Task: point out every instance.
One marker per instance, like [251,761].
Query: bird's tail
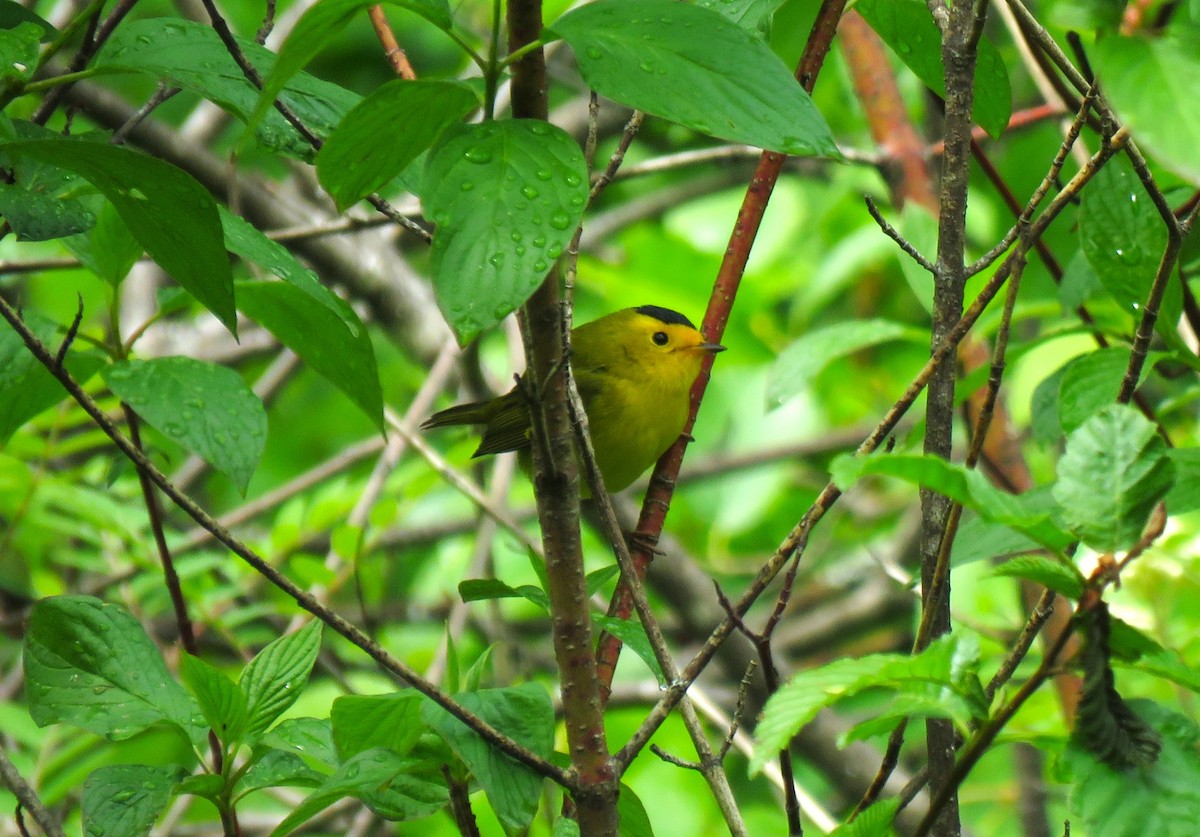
[477,412]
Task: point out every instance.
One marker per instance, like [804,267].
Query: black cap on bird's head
[665,315]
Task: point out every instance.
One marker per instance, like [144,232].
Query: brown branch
[387,39]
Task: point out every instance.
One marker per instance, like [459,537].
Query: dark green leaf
[39,214]
[206,408]
[205,785]
[190,55]
[273,680]
[168,212]
[26,387]
[19,50]
[525,714]
[1144,79]
[113,251]
[506,197]
[1122,235]
[908,28]
[1049,572]
[366,151]
[312,330]
[483,589]
[1114,470]
[223,704]
[244,239]
[799,363]
[672,60]
[362,722]
[13,15]
[126,799]
[91,665]
[314,30]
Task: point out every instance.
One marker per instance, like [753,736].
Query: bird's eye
[659,338]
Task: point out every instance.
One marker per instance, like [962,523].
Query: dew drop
[478,155]
[560,220]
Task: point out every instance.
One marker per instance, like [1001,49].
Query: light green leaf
[276,768]
[672,60]
[483,589]
[1161,799]
[752,15]
[310,737]
[1184,495]
[874,821]
[361,722]
[365,151]
[91,665]
[1057,575]
[1090,383]
[1114,470]
[506,197]
[223,704]
[946,668]
[801,362]
[632,634]
[273,680]
[1144,79]
[206,408]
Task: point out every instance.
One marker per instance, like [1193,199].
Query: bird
[634,369]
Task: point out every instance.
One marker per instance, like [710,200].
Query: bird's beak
[711,348]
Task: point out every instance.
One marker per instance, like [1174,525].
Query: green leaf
[204,785]
[752,15]
[366,151]
[13,15]
[484,589]
[946,669]
[1090,383]
[1167,665]
[634,821]
[244,239]
[165,209]
[91,665]
[273,680]
[311,737]
[564,827]
[1122,235]
[633,635]
[206,408]
[361,722]
[363,776]
[19,50]
[276,768]
[1114,470]
[45,200]
[1027,515]
[672,60]
[874,821]
[317,27]
[1145,79]
[908,28]
[126,799]
[26,387]
[223,704]
[596,579]
[1161,799]
[190,55]
[1057,575]
[1184,495]
[1045,422]
[523,713]
[312,330]
[980,539]
[506,197]
[112,250]
[801,362]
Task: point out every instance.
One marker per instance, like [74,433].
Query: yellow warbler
[634,369]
